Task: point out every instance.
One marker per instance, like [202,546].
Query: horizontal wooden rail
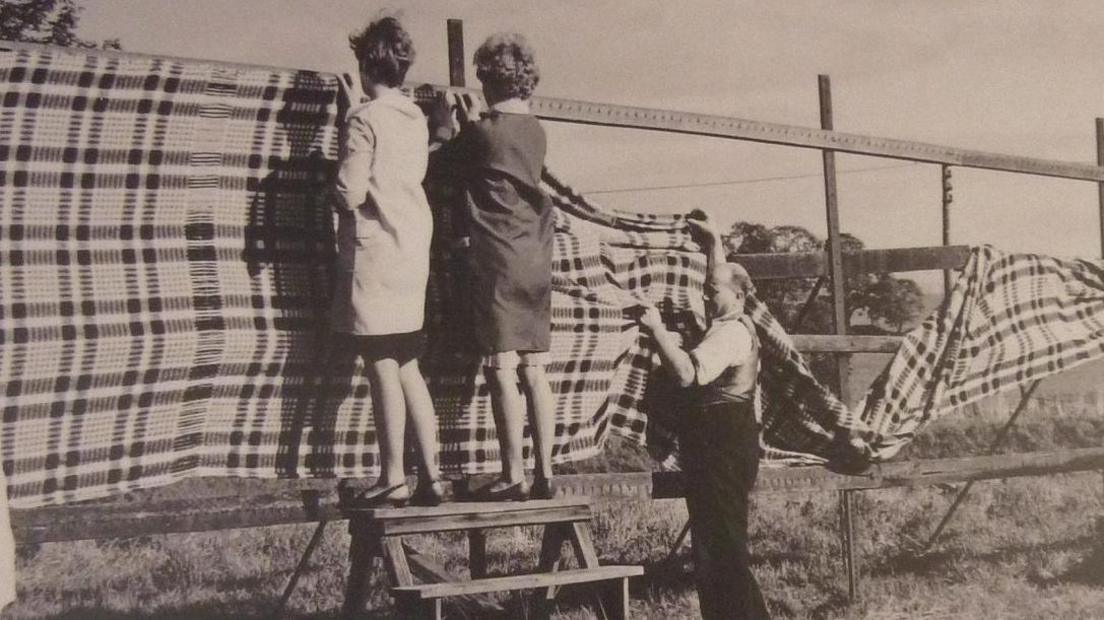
[815,264]
[585,112]
[629,117]
[610,115]
[217,504]
[815,343]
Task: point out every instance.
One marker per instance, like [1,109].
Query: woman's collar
[511,106]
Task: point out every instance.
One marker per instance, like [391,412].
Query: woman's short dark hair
[384,50]
[506,62]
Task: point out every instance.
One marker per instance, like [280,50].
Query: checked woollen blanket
[165,279]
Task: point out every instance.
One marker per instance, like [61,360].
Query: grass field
[1026,548]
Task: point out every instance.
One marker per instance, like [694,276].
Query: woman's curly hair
[384,49]
[506,62]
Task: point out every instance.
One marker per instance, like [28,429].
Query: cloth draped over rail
[166,269]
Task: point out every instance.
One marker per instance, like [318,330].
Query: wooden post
[839,319]
[456,52]
[847,541]
[835,249]
[948,197]
[477,547]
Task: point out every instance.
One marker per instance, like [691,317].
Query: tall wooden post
[839,320]
[835,249]
[948,197]
[456,52]
[1100,186]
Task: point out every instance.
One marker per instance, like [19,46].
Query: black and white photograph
[564,310]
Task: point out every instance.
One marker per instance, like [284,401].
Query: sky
[1015,77]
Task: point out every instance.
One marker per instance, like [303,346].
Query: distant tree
[893,301]
[886,300]
[53,22]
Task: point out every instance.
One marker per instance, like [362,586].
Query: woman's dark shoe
[542,489]
[428,493]
[376,496]
[496,492]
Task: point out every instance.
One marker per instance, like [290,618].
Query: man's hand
[651,318]
[702,228]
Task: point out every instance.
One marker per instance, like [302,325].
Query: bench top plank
[395,526]
[518,582]
[459,509]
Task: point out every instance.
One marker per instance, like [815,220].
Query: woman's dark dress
[510,222]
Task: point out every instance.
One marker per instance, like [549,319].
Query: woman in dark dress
[509,219]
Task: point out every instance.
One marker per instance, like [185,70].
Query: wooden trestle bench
[379,532]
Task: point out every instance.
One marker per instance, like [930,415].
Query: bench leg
[416,608]
[477,547]
[551,551]
[360,568]
[614,599]
[394,557]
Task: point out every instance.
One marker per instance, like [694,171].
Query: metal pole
[678,542]
[808,305]
[1025,396]
[839,320]
[299,568]
[456,52]
[948,197]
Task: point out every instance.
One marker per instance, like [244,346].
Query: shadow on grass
[836,602]
[1089,571]
[217,611]
[674,576]
[936,562]
[207,611]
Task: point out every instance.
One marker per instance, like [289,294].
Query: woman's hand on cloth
[451,111]
[349,92]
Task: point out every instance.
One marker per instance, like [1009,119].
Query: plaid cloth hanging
[165,280]
[1010,320]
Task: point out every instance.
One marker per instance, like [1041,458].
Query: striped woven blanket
[165,279]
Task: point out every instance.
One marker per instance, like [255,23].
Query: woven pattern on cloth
[165,268]
[166,280]
[1010,319]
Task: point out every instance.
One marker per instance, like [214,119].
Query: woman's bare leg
[509,409]
[419,407]
[389,413]
[542,412]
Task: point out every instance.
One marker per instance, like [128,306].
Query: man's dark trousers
[719,452]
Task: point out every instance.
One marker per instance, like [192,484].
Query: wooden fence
[211,504]
[205,504]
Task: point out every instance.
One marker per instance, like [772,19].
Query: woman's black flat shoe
[375,497]
[517,492]
[428,493]
[542,489]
